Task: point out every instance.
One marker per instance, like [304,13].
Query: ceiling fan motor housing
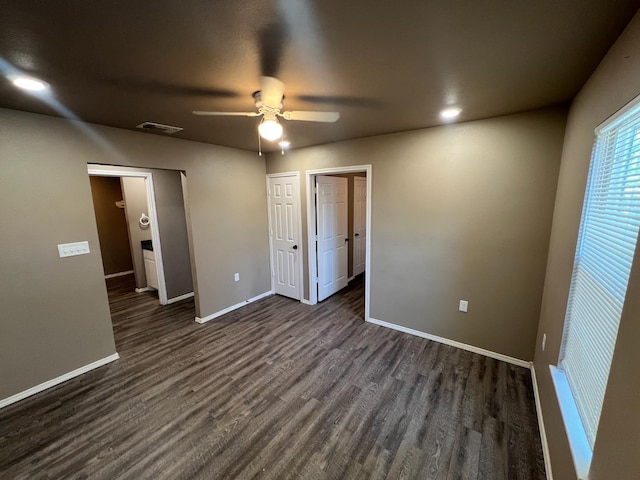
[257,97]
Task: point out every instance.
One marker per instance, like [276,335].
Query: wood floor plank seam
[275,390]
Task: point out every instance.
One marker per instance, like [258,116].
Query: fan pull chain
[259,145]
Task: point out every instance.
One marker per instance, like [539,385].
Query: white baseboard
[453,343]
[143,289]
[350,278]
[180,297]
[119,274]
[55,381]
[305,301]
[543,432]
[233,307]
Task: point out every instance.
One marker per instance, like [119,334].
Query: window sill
[580,448]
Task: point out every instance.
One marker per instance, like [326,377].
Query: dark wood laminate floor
[275,390]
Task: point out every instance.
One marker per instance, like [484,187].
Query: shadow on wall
[112,225]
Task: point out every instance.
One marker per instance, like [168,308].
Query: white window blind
[606,244]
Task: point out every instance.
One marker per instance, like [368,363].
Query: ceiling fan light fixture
[285,143]
[270,129]
[450,113]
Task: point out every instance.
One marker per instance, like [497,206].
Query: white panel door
[359,224]
[331,216]
[284,205]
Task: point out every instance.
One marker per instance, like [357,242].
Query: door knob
[357,235]
[346,240]
[295,247]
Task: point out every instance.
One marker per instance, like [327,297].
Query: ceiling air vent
[159,127]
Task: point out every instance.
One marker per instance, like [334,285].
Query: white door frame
[311,235]
[153,215]
[298,221]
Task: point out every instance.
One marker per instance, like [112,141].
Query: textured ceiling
[385,66]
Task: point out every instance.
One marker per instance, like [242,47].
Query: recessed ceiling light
[30,83]
[285,144]
[449,113]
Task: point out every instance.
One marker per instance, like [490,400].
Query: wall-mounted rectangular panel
[72,249]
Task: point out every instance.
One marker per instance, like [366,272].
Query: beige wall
[54,314]
[615,82]
[173,232]
[458,212]
[112,225]
[185,196]
[135,196]
[43,162]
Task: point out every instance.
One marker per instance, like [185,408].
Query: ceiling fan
[268,102]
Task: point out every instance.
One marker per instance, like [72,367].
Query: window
[602,264]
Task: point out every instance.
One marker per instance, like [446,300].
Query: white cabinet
[150,269]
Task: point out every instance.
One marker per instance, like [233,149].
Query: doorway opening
[152,206]
[113,228]
[142,226]
[334,249]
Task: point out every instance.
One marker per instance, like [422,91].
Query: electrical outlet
[236,277]
[464,306]
[544,341]
[71,249]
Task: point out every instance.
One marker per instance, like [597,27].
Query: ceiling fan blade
[163,88]
[227,114]
[271,42]
[347,101]
[328,117]
[271,91]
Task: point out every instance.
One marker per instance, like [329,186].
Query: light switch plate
[72,249]
[236,277]
[463,306]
